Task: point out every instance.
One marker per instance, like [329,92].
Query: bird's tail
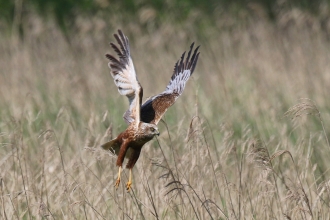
[113,146]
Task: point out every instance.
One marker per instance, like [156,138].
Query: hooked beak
[157,133]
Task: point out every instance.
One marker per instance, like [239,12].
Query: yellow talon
[118,179]
[129,183]
[128,186]
[117,183]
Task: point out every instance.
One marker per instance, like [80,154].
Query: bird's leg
[118,178]
[129,183]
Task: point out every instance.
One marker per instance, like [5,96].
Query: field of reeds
[246,140]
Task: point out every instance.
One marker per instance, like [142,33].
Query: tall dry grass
[226,149]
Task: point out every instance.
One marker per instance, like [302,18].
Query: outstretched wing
[155,107]
[125,78]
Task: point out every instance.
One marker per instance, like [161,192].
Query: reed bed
[248,139]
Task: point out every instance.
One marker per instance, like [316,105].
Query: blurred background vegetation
[258,59]
[153,12]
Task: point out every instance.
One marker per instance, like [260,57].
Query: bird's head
[148,130]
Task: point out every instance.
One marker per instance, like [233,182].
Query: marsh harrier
[142,118]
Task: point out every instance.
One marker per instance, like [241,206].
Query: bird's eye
[152,129]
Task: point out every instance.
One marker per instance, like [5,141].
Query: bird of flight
[142,118]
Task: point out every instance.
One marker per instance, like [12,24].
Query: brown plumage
[142,119]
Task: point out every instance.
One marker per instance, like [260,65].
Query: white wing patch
[126,79]
[177,84]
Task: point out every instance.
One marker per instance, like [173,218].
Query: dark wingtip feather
[175,70]
[111,58]
[107,56]
[122,50]
[182,65]
[189,53]
[188,63]
[194,64]
[193,60]
[114,63]
[116,49]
